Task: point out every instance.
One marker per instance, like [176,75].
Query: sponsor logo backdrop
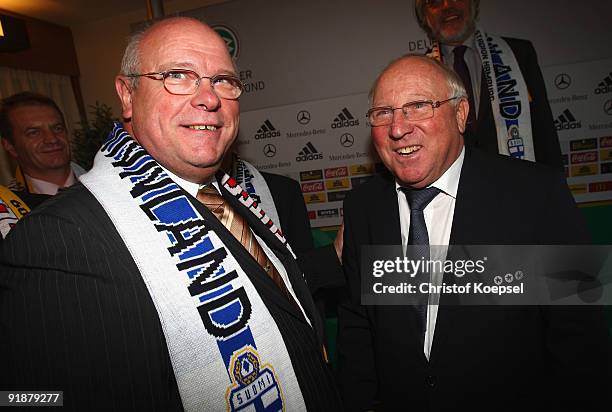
[324,145]
[580,97]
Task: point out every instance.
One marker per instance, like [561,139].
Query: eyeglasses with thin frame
[185,82]
[413,111]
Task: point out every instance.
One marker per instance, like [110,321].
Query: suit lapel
[469,203]
[466,210]
[282,253]
[265,286]
[385,229]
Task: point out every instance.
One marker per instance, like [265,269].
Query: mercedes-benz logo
[608,107]
[269,150]
[303,117]
[563,81]
[347,140]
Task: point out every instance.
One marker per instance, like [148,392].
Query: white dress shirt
[48,188]
[439,221]
[193,188]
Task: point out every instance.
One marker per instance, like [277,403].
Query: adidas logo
[266,131]
[605,86]
[344,119]
[309,152]
[566,121]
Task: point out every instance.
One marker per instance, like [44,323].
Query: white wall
[308,50]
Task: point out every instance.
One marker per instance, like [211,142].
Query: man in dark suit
[451,25]
[127,293]
[446,357]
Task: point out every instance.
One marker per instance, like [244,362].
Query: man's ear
[10,149]
[124,90]
[463,108]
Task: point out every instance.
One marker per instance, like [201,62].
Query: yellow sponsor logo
[605,154]
[584,170]
[315,197]
[578,189]
[336,184]
[364,169]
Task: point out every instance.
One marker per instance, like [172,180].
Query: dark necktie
[464,73]
[418,199]
[241,231]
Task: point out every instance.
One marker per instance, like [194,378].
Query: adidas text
[603,90]
[568,126]
[267,135]
[345,123]
[311,156]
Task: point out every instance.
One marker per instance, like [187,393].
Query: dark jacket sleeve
[357,368]
[320,265]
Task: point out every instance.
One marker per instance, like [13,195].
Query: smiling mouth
[209,127]
[451,18]
[53,150]
[408,150]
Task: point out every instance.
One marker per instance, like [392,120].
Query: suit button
[431,381]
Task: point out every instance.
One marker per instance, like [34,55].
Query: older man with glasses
[429,354]
[509,109]
[158,283]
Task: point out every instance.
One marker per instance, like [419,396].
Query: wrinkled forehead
[186,41]
[410,78]
[31,111]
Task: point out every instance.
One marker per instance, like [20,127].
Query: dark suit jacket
[545,140]
[75,314]
[482,358]
[320,265]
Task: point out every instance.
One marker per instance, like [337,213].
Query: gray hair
[419,11]
[130,63]
[453,81]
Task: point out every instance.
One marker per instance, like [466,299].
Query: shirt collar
[449,181]
[189,187]
[447,49]
[48,188]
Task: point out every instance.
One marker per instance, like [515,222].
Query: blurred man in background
[34,133]
[509,109]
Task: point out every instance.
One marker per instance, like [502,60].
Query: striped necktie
[238,227]
[418,199]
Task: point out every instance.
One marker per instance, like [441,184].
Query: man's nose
[205,96]
[400,125]
[51,136]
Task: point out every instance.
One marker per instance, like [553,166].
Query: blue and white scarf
[254,183]
[507,92]
[225,348]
